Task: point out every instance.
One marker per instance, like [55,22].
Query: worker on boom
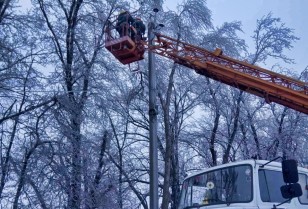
[140,29]
[124,21]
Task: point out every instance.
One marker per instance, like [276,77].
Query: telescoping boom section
[271,86]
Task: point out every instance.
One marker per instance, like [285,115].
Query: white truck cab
[249,184]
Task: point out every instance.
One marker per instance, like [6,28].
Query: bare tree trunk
[215,125]
[245,149]
[5,164]
[39,195]
[175,173]
[255,138]
[4,4]
[275,146]
[213,139]
[175,186]
[231,138]
[76,167]
[23,172]
[76,104]
[98,174]
[140,197]
[166,185]
[168,140]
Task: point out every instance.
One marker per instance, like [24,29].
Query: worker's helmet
[123,12]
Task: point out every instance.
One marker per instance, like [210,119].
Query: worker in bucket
[124,21]
[140,29]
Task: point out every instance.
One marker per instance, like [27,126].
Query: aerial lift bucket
[124,48]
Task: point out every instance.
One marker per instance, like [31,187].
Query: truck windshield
[222,186]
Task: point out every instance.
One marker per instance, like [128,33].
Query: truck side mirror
[290,177]
[291,190]
[289,171]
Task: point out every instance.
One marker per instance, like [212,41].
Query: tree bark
[231,138]
[5,164]
[168,140]
[4,4]
[23,172]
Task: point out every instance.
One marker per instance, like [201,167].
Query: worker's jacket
[139,26]
[125,17]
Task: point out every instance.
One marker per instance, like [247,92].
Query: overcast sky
[293,12]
